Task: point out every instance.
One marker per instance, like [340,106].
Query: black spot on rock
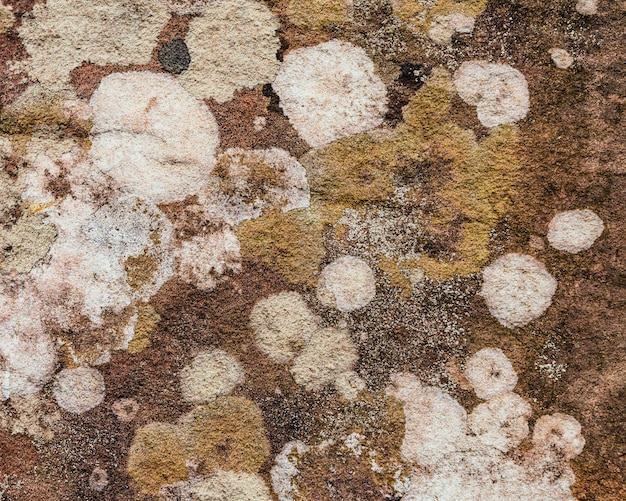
[412,75]
[174,56]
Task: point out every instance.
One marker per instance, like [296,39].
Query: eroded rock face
[309,250]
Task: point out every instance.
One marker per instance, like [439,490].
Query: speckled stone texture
[312,250]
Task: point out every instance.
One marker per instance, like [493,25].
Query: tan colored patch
[147,321]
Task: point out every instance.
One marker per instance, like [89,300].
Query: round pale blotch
[330,91]
[559,432]
[329,354]
[282,324]
[347,284]
[79,390]
[490,373]
[125,409]
[210,374]
[499,92]
[502,422]
[232,45]
[587,7]
[574,230]
[6,18]
[561,58]
[517,289]
[229,486]
[98,479]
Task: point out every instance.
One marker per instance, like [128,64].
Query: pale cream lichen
[160,144]
[125,409]
[27,352]
[98,480]
[517,289]
[211,374]
[490,373]
[502,422]
[201,260]
[79,390]
[229,486]
[499,92]
[436,424]
[330,91]
[329,354]
[347,284]
[561,58]
[60,35]
[452,463]
[574,231]
[6,17]
[442,28]
[285,469]
[233,45]
[559,432]
[282,324]
[587,7]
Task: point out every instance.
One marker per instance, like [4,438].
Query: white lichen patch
[27,352]
[60,35]
[561,58]
[499,92]
[233,45]
[517,289]
[458,462]
[285,469]
[211,374]
[151,136]
[229,486]
[78,390]
[203,259]
[490,373]
[436,424]
[282,324]
[348,284]
[248,182]
[442,28]
[104,259]
[328,354]
[574,230]
[330,91]
[560,433]
[587,7]
[502,422]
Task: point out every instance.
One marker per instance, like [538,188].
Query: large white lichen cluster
[330,91]
[461,457]
[108,246]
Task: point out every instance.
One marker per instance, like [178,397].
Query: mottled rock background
[427,196]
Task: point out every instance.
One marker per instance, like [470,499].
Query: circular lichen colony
[575,230]
[517,289]
[330,91]
[79,390]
